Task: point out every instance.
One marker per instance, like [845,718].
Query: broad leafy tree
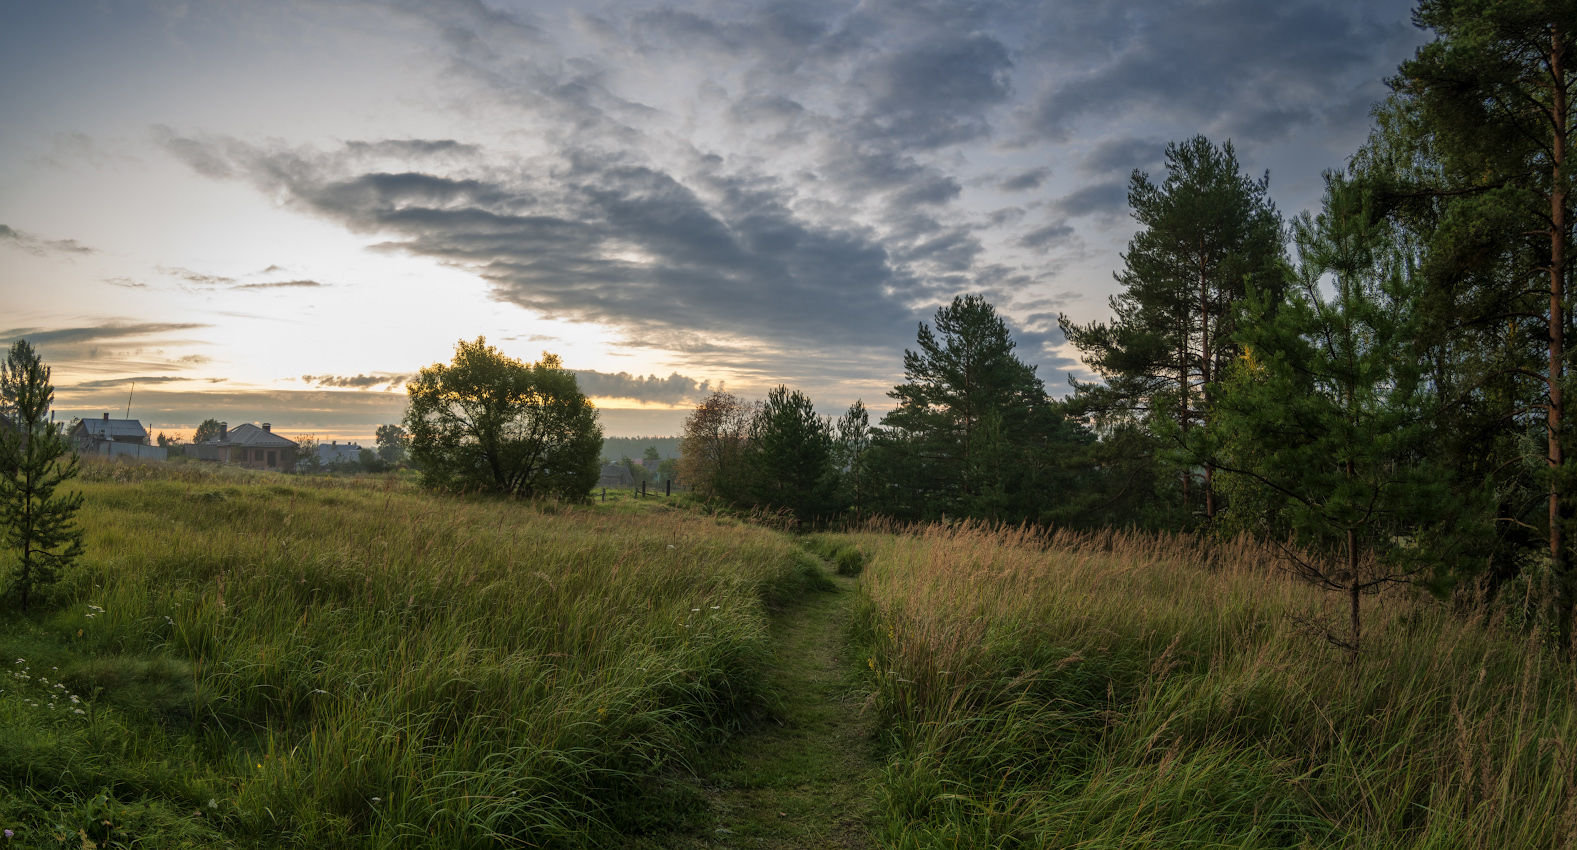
[490,422]
[208,429]
[392,443]
[712,451]
[36,521]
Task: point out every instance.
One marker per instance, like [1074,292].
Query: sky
[280,211]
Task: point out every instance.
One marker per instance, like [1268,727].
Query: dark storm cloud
[1238,68]
[356,382]
[39,247]
[674,389]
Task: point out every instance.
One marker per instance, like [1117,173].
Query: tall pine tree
[1492,96]
[1208,232]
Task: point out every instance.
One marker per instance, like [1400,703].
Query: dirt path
[801,779]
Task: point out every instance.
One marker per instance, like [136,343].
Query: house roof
[109,429]
[338,451]
[251,435]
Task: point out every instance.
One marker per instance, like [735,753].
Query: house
[615,475]
[89,434]
[336,452]
[247,445]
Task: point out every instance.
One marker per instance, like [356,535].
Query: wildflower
[9,835]
[377,799]
[78,711]
[715,607]
[695,610]
[670,546]
[212,803]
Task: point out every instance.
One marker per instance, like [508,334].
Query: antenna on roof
[128,398]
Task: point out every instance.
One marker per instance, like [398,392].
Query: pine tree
[1208,233]
[1492,102]
[1322,420]
[965,399]
[791,456]
[35,459]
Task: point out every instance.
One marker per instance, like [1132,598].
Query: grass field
[247,659]
[259,660]
[1119,691]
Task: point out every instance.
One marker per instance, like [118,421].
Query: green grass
[1114,691]
[273,661]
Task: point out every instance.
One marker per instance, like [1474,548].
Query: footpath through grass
[259,661]
[800,778]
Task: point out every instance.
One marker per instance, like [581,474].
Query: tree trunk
[1204,379]
[1557,458]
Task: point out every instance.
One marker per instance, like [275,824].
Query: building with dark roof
[88,434]
[248,445]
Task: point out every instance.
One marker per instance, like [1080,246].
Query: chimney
[224,431]
[106,417]
[334,443]
[265,428]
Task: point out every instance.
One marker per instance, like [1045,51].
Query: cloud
[674,389]
[284,284]
[1234,68]
[198,279]
[122,382]
[39,247]
[1122,156]
[1034,178]
[1101,199]
[1047,237]
[357,382]
[125,283]
[597,238]
[93,333]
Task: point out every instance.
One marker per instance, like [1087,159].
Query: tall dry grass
[1113,690]
[357,663]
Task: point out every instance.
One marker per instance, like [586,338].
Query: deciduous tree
[491,422]
[712,450]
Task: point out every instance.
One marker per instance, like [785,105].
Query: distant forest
[615,449]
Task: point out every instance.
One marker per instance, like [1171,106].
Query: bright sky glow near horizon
[275,211]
